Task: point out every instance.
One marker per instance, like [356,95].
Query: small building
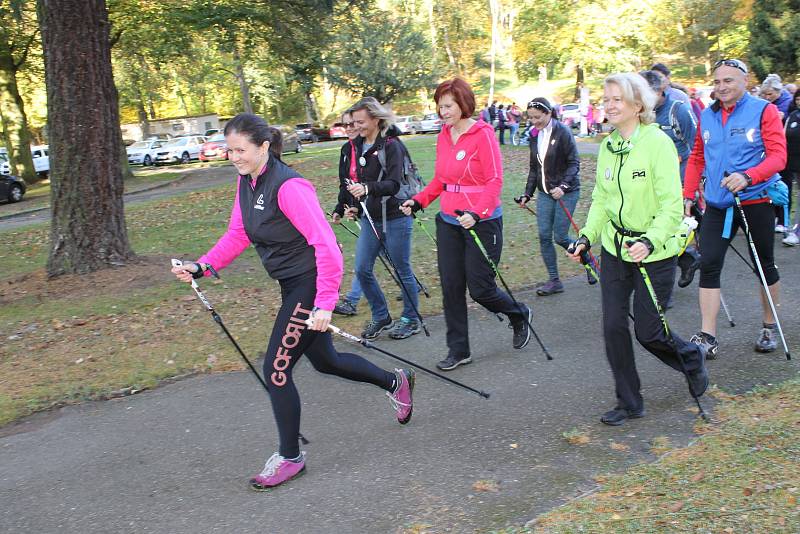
[187,124]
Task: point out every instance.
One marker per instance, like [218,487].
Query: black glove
[644,241]
[199,272]
[519,199]
[582,240]
[415,206]
[474,215]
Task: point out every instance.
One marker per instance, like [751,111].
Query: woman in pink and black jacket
[277,211]
[468,178]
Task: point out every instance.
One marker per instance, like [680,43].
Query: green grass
[134,326]
[741,476]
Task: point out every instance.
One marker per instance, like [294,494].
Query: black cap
[660,67]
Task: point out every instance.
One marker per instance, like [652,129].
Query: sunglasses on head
[348,124]
[539,105]
[735,63]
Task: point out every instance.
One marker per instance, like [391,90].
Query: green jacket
[638,190]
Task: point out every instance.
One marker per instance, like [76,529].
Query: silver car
[430,123]
[143,152]
[408,124]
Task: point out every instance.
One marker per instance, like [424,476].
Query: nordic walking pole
[419,283]
[725,307]
[218,320]
[761,273]
[660,311]
[424,229]
[592,265]
[508,290]
[394,267]
[518,200]
[370,345]
[742,257]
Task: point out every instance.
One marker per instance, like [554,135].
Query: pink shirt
[297,199]
[473,161]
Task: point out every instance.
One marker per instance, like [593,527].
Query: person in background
[554,170]
[347,206]
[792,171]
[772,90]
[673,92]
[697,103]
[514,118]
[502,121]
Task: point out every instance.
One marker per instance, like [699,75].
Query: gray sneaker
[707,342]
[404,328]
[345,307]
[374,328]
[768,339]
[550,287]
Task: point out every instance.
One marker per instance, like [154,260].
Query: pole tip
[788,356]
[548,355]
[732,324]
[484,394]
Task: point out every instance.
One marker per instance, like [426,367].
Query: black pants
[761,221]
[461,267]
[787,177]
[618,280]
[290,339]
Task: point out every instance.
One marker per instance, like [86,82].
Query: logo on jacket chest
[259,205]
[461,154]
[638,174]
[749,134]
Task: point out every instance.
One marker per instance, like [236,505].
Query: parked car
[211,132]
[12,188]
[180,150]
[215,147]
[430,123]
[408,124]
[305,132]
[159,137]
[571,114]
[41,160]
[291,141]
[143,152]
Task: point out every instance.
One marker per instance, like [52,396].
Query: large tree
[17,37]
[382,56]
[88,224]
[774,33]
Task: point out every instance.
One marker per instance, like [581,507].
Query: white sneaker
[791,240]
[780,229]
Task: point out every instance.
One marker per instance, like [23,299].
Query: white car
[571,114]
[143,152]
[430,123]
[408,124]
[41,160]
[180,149]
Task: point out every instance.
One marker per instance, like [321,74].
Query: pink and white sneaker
[278,470]
[401,399]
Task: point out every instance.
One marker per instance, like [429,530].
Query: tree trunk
[244,87]
[87,231]
[494,8]
[16,136]
[312,113]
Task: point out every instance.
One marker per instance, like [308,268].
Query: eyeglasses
[735,63]
[348,124]
[539,105]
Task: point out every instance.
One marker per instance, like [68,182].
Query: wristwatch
[748,178]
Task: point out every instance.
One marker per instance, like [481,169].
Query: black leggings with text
[290,339]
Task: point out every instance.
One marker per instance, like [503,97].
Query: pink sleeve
[232,243]
[298,201]
[492,167]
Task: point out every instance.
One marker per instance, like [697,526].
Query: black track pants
[760,220]
[618,280]
[462,266]
[290,339]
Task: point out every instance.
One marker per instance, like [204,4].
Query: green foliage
[774,30]
[382,56]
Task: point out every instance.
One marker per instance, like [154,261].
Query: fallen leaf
[486,485]
[747,492]
[616,516]
[697,477]
[513,445]
[619,446]
[676,507]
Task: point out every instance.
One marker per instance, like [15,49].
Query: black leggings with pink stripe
[290,339]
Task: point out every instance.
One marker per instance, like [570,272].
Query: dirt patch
[139,273]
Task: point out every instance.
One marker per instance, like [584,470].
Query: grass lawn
[83,337]
[740,476]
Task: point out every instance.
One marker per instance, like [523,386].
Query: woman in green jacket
[636,216]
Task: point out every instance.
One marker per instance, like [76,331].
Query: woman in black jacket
[792,171]
[554,171]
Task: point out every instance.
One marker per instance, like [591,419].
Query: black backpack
[412,182]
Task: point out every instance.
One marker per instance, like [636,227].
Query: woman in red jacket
[469,178]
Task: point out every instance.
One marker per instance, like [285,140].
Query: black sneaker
[550,287]
[767,339]
[618,416]
[522,331]
[404,328]
[345,307]
[708,343]
[451,362]
[374,328]
[689,262]
[698,379]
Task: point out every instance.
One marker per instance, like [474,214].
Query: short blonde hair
[636,91]
[375,110]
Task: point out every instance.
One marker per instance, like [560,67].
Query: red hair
[461,93]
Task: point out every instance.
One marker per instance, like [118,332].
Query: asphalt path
[191,180]
[177,459]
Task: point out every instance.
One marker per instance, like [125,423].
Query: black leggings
[760,220]
[290,339]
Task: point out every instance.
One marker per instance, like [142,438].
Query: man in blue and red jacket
[740,148]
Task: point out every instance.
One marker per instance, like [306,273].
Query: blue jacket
[734,147]
[674,113]
[783,101]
